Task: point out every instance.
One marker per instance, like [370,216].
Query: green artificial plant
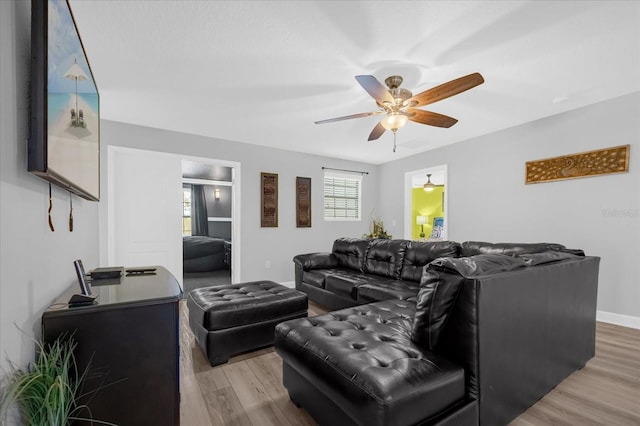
[47,392]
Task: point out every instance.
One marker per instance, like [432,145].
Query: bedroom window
[186,210]
[342,194]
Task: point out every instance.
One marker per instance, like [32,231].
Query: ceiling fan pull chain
[394,141]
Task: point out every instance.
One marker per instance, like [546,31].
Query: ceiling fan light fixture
[429,186]
[400,105]
[394,122]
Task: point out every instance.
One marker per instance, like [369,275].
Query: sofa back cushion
[439,287]
[419,253]
[384,257]
[350,252]
[472,248]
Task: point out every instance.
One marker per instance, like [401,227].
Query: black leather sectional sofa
[437,333]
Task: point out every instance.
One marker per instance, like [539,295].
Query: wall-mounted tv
[64,146]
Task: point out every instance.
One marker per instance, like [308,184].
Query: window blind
[342,196]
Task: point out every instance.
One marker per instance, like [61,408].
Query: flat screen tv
[64,146]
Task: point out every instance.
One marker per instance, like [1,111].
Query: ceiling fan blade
[430,118]
[446,90]
[376,132]
[347,117]
[375,89]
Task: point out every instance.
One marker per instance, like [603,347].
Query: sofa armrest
[475,266]
[550,256]
[316,261]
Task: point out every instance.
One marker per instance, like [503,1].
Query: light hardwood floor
[248,389]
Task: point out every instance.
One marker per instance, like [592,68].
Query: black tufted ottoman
[241,317]
[359,366]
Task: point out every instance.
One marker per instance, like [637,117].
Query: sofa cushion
[472,248]
[384,257]
[377,289]
[441,282]
[318,277]
[350,252]
[366,356]
[345,283]
[419,253]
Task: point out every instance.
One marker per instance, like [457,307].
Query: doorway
[425,209]
[144,208]
[207,224]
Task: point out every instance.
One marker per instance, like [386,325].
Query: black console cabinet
[130,337]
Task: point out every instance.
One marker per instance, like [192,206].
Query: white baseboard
[618,319]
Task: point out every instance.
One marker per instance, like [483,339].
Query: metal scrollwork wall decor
[584,164]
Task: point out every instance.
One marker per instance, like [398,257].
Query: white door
[145,209]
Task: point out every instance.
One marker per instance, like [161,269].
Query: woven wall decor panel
[269,200]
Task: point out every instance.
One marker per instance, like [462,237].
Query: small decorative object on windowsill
[378,230]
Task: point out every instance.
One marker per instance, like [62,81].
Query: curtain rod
[344,170]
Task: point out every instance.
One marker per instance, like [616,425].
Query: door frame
[235,203]
[408,208]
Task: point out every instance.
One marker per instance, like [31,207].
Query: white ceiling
[263,71]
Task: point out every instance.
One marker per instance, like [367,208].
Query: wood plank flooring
[248,389]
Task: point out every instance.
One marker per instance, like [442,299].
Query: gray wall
[221,207]
[36,265]
[220,230]
[259,245]
[489,201]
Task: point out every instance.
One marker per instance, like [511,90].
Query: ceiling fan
[430,186]
[400,105]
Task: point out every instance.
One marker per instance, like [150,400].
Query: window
[342,196]
[186,210]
